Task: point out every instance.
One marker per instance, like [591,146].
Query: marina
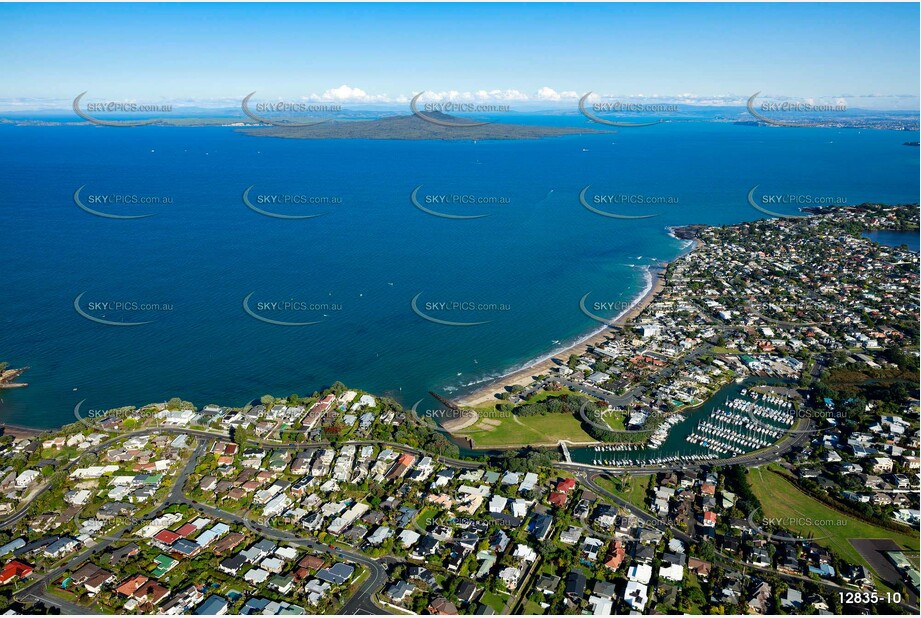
[739,419]
[747,423]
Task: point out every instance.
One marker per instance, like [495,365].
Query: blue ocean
[514,278]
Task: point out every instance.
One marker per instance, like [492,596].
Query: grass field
[493,600]
[424,518]
[781,499]
[532,609]
[615,420]
[548,429]
[545,395]
[633,489]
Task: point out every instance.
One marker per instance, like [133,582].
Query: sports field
[781,499]
[545,430]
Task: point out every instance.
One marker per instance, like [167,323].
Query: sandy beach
[487,394]
[18,431]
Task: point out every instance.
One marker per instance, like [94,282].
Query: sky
[528,54]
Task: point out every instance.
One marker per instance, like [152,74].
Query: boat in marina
[742,424]
[746,422]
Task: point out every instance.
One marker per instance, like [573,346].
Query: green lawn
[493,600]
[425,516]
[548,429]
[532,609]
[630,488]
[695,591]
[781,499]
[543,395]
[615,420]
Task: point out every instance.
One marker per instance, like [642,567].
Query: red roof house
[566,485]
[167,537]
[14,569]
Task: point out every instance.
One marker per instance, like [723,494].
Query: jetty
[566,456]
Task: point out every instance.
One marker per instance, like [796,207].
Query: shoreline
[487,393]
[21,431]
[524,376]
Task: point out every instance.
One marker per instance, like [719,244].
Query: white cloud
[348,94]
[544,96]
[549,94]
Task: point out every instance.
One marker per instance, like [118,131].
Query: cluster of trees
[567,403]
[551,405]
[735,479]
[526,460]
[425,437]
[178,404]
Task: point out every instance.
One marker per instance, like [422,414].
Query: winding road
[362,601]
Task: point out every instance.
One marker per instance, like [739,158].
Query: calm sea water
[896,239]
[365,259]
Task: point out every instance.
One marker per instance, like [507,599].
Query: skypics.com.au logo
[602,203]
[106,311]
[120,419]
[289,114]
[269,204]
[102,113]
[429,310]
[795,113]
[98,204]
[436,204]
[442,111]
[590,413]
[776,528]
[284,311]
[460,418]
[115,528]
[767,203]
[589,309]
[615,113]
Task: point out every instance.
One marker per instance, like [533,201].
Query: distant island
[409,127]
[412,127]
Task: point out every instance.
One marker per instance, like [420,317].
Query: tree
[267,400]
[706,551]
[239,435]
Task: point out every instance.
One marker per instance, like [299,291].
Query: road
[362,602]
[648,519]
[38,590]
[363,599]
[19,513]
